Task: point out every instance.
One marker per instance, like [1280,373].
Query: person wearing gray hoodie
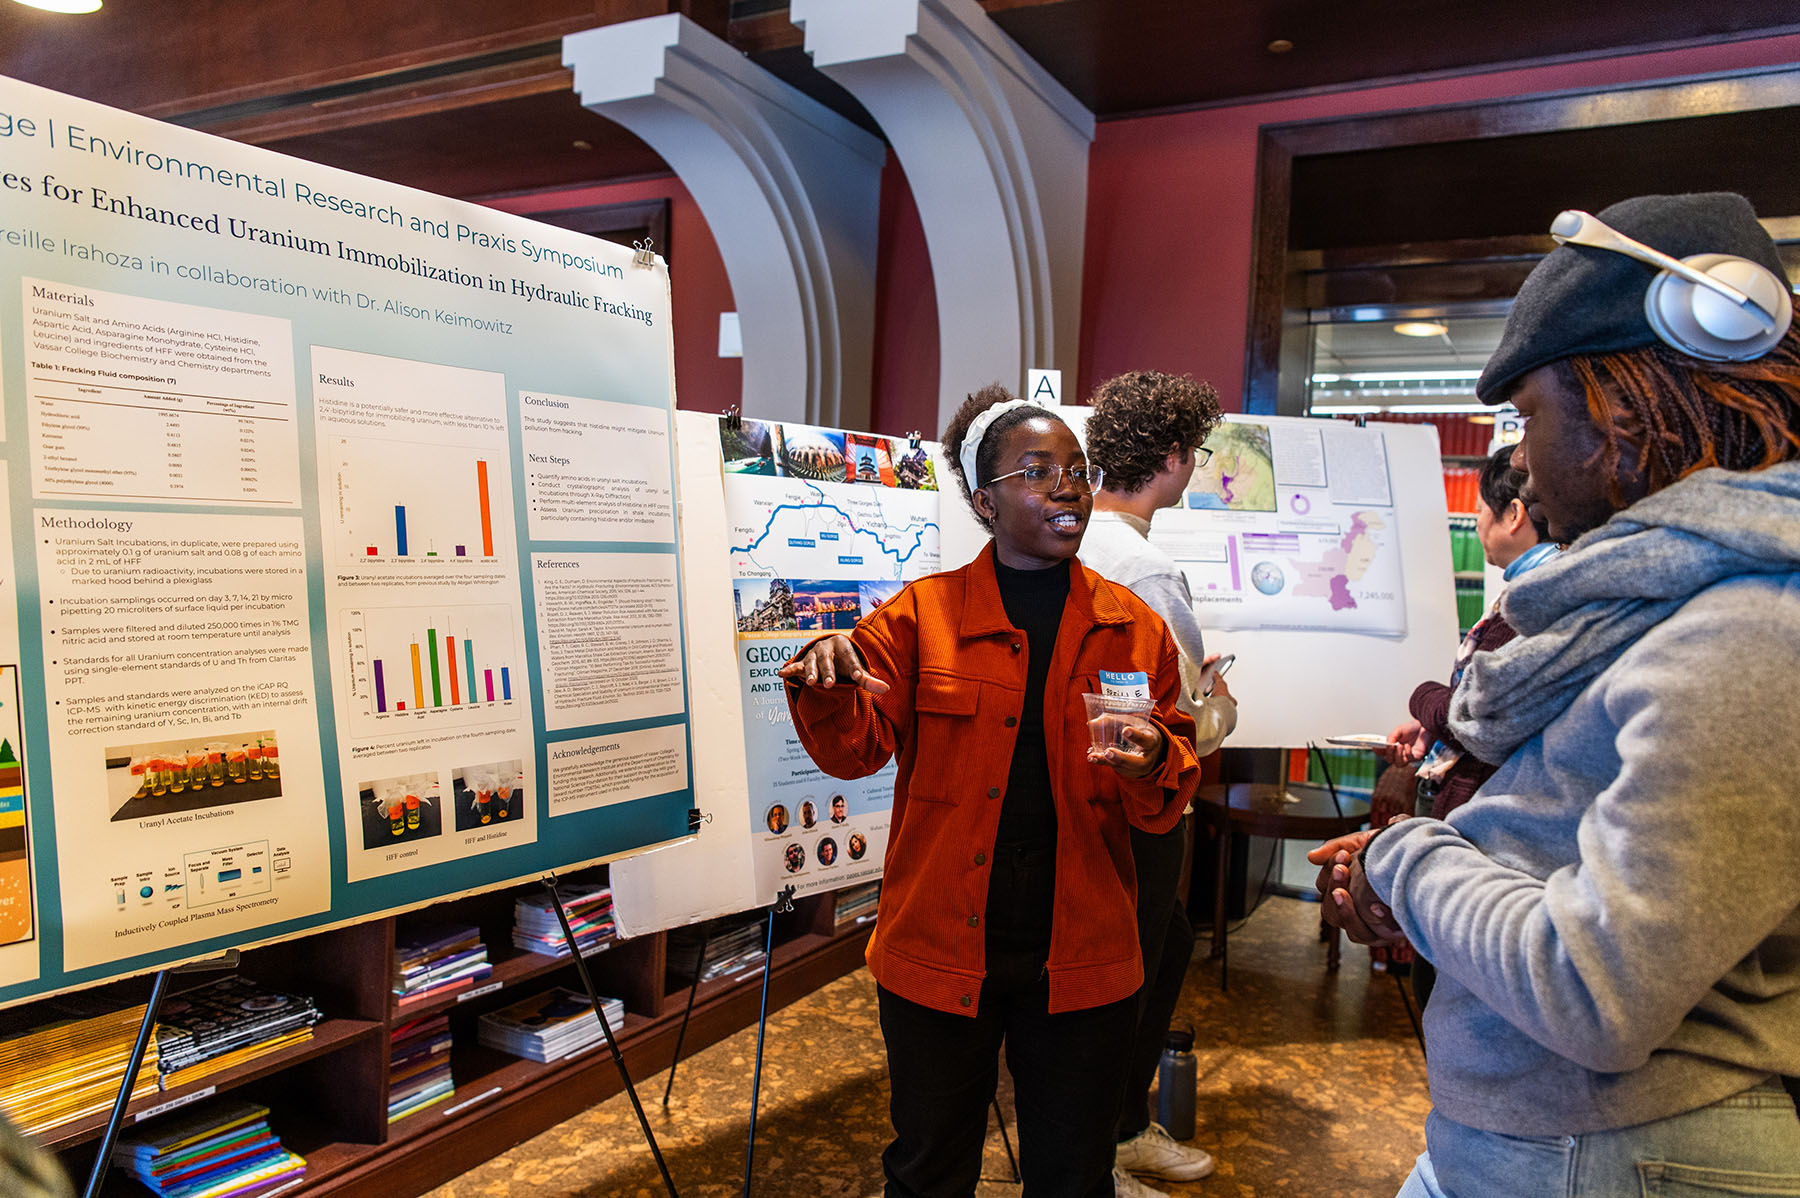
[1615,917]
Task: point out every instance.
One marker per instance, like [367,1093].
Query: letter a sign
[1044,387]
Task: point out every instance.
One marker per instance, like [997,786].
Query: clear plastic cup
[483,786]
[235,763]
[140,770]
[196,763]
[1108,718]
[271,759]
[215,764]
[253,757]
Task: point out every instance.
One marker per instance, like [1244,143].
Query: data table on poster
[130,443]
[136,398]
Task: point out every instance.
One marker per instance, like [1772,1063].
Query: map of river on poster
[1290,525]
[824,525]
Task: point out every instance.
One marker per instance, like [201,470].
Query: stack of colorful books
[551,1026]
[734,943]
[73,1066]
[222,1150]
[589,908]
[855,905]
[419,1066]
[433,959]
[226,1023]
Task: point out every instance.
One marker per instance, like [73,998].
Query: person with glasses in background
[1147,433]
[1006,912]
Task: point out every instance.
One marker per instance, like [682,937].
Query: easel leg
[762,1029]
[158,988]
[1006,1141]
[681,1034]
[612,1045]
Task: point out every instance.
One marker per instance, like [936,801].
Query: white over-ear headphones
[1715,307]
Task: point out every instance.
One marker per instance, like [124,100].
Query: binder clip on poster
[646,252]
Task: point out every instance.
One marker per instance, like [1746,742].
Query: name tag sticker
[1125,685]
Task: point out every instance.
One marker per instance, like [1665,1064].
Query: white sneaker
[1155,1153]
[1127,1186]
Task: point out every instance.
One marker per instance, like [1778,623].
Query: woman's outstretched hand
[829,662]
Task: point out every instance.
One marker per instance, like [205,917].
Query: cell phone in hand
[1217,670]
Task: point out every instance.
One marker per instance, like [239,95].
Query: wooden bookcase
[328,1097]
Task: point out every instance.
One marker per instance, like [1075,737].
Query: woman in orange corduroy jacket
[1007,907]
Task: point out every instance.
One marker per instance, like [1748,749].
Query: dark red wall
[699,287]
[906,330]
[1171,204]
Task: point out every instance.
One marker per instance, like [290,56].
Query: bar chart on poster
[439,503]
[328,544]
[456,663]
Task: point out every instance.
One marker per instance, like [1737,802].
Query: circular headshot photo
[827,851]
[777,819]
[794,858]
[840,809]
[809,814]
[858,845]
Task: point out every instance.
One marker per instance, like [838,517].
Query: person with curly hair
[1146,429]
[1615,915]
[1006,915]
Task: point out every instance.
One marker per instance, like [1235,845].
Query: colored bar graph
[462,551]
[399,707]
[400,528]
[380,688]
[450,655]
[437,689]
[505,683]
[469,661]
[418,680]
[374,551]
[487,519]
[490,684]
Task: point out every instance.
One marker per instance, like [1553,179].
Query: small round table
[1288,811]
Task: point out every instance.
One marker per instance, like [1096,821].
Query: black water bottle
[1177,1075]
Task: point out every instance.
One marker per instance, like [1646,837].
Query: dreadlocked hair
[1140,417]
[1667,414]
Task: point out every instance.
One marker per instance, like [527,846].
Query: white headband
[978,428]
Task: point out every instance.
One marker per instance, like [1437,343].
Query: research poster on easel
[825,525]
[1319,553]
[341,569]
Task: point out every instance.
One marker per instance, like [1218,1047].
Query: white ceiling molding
[996,153]
[790,190]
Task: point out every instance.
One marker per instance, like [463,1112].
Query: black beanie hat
[1584,300]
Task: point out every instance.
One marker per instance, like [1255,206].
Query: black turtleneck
[1034,601]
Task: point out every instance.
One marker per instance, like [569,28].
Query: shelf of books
[355,1061]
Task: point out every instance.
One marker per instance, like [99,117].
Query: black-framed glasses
[1046,479]
[1202,455]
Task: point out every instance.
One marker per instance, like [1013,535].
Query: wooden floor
[1310,1084]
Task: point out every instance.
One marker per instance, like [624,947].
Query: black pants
[1068,1069]
[1167,940]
